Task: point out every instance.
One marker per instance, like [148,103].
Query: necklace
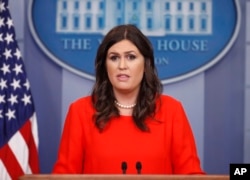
[124,106]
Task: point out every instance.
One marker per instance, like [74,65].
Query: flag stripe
[3,171]
[22,154]
[28,137]
[10,162]
[34,128]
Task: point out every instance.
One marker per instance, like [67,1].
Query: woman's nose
[122,63]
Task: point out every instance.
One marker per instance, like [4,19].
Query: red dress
[169,147]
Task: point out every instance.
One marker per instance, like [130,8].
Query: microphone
[124,167]
[138,167]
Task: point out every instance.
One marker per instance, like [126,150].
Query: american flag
[18,123]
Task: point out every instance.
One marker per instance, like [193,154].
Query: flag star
[9,23]
[1,113]
[7,53]
[2,7]
[5,69]
[18,69]
[15,84]
[13,99]
[9,38]
[3,84]
[27,84]
[10,114]
[26,99]
[2,99]
[18,54]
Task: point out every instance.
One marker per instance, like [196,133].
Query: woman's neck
[125,112]
[125,102]
[127,99]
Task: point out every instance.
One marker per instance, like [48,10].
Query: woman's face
[125,66]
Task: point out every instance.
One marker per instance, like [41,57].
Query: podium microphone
[138,167]
[124,167]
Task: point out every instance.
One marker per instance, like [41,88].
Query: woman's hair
[103,96]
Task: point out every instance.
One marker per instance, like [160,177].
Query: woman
[127,125]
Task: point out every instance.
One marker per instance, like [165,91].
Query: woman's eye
[113,58]
[131,57]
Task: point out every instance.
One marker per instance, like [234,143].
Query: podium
[122,177]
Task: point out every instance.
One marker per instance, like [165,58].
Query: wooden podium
[122,177]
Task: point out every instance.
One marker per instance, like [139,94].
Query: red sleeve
[70,154]
[184,153]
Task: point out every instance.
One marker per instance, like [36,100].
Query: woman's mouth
[123,77]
